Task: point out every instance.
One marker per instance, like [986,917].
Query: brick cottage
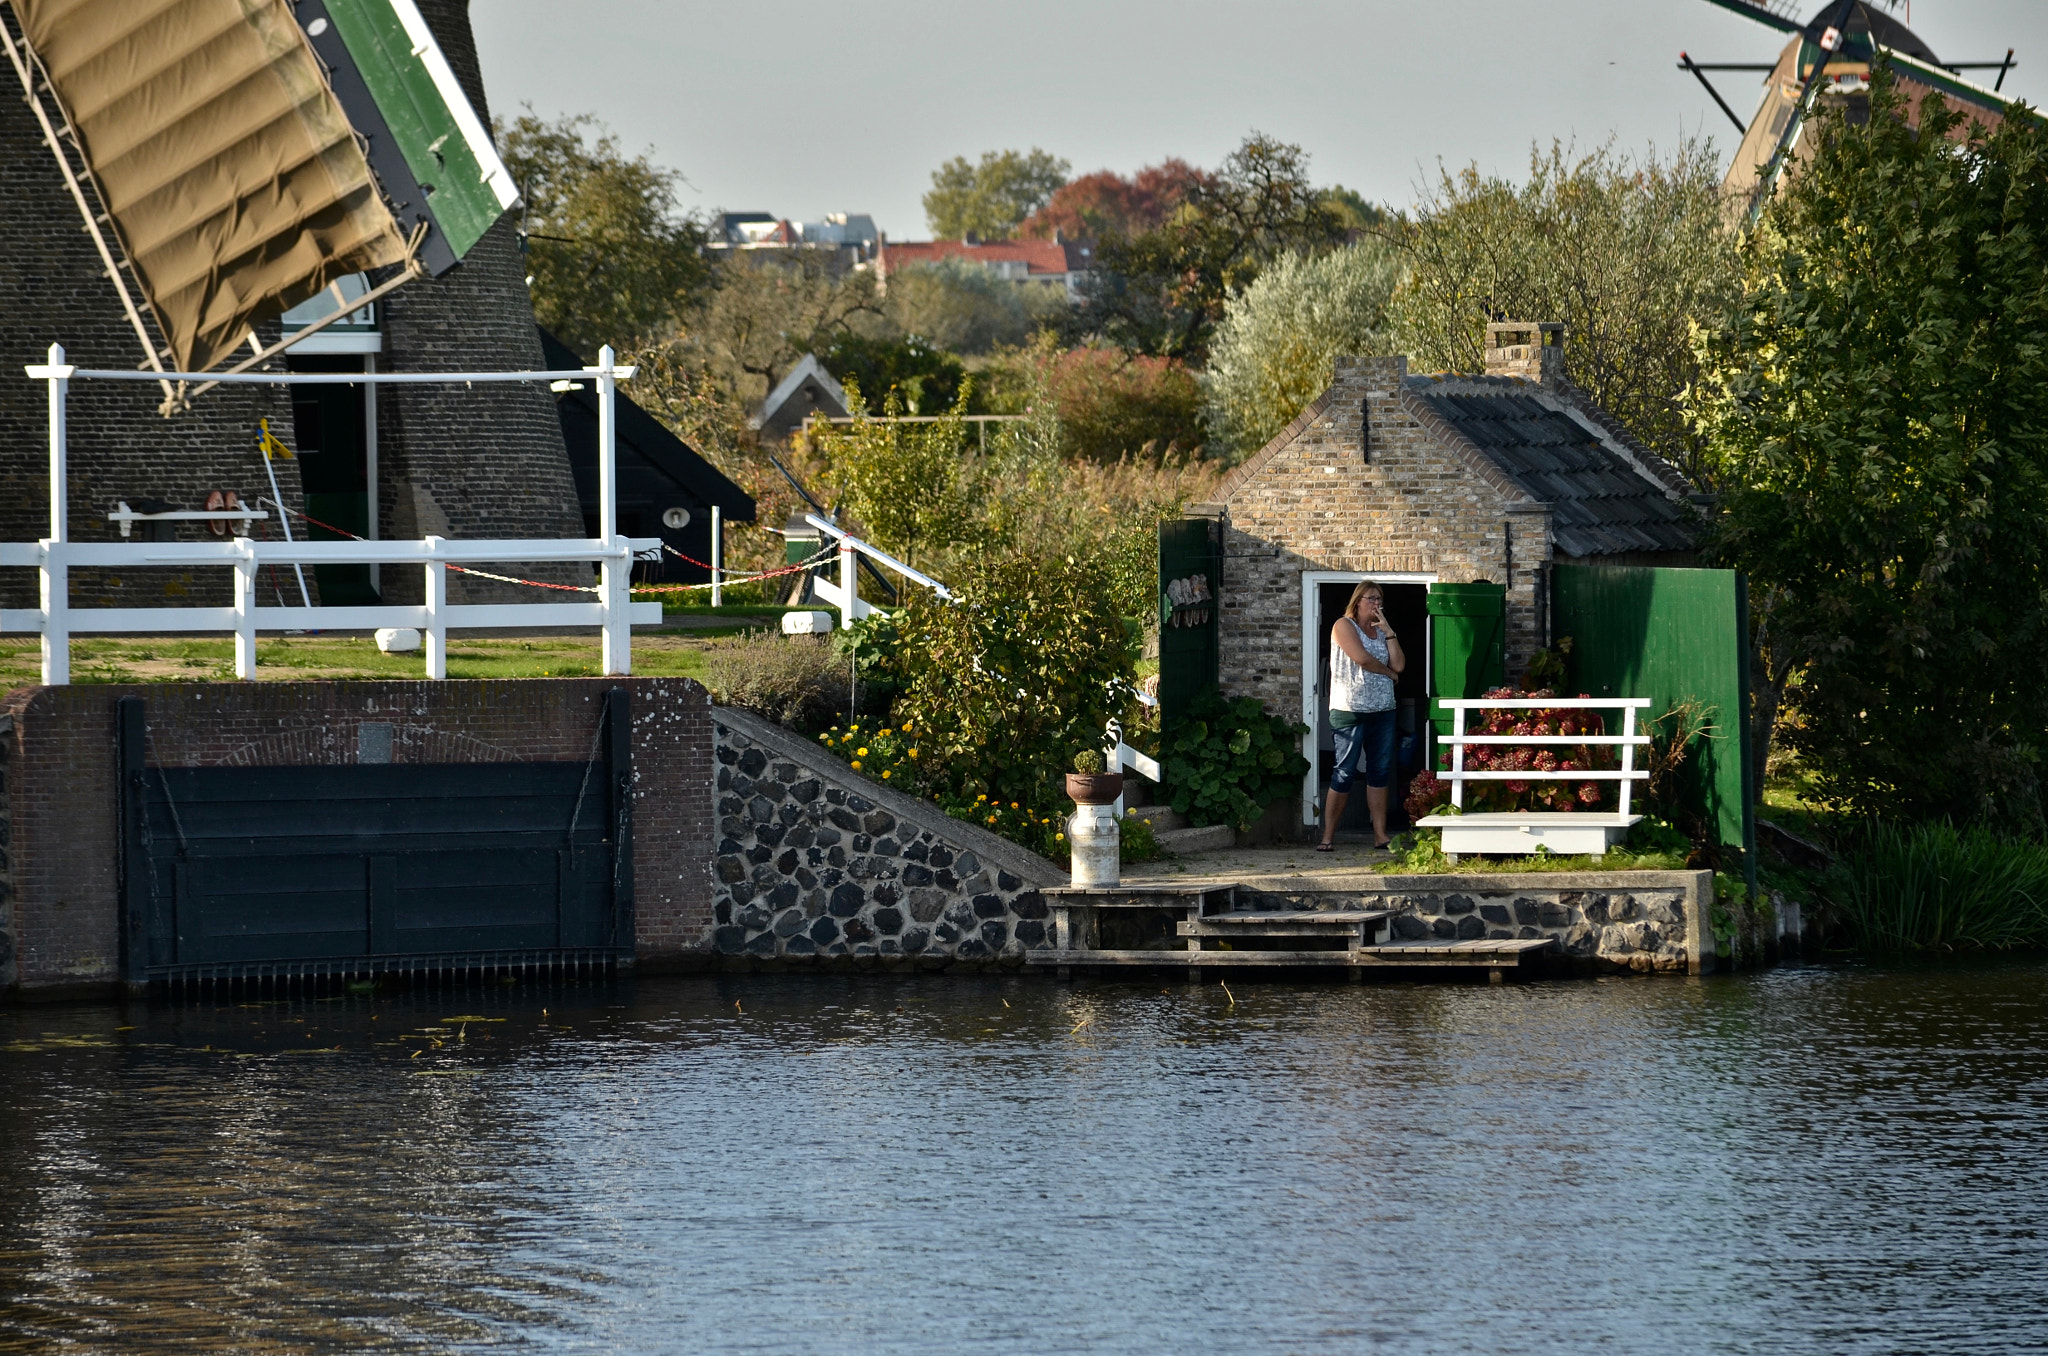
[1417,480]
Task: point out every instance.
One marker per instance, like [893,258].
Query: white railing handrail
[1519,703]
[850,542]
[41,371]
[608,605]
[1628,740]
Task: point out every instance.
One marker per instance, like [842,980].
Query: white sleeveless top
[1353,687]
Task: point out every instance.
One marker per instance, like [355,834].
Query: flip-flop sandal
[1326,847]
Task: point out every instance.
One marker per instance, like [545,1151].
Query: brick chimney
[1531,350]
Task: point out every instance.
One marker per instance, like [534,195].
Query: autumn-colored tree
[1162,291]
[1105,203]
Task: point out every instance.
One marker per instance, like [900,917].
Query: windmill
[1827,61]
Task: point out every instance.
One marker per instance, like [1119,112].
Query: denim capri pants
[1373,737]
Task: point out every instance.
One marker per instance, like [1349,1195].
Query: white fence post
[434,635]
[1458,756]
[1628,754]
[849,583]
[615,571]
[245,610]
[56,572]
[717,557]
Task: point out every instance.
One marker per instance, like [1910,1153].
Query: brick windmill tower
[145,222]
[1827,61]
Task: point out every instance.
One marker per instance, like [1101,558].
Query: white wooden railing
[1627,774]
[612,609]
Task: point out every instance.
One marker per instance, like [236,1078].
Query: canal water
[1805,1160]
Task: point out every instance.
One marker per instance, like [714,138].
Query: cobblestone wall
[1648,921]
[818,864]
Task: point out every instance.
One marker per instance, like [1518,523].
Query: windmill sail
[234,177]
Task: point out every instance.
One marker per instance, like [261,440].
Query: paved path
[1296,866]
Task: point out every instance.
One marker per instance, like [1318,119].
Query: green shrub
[1930,887]
[1006,682]
[1225,762]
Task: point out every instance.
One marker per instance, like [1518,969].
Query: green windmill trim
[429,117]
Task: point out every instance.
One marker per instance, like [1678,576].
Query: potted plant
[1088,784]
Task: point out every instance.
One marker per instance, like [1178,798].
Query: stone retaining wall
[1640,920]
[817,864]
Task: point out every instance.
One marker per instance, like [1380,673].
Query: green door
[333,457]
[1468,644]
[1190,588]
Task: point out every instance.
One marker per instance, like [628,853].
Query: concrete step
[1209,838]
[1162,818]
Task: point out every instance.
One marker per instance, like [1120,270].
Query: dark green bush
[1226,761]
[1930,887]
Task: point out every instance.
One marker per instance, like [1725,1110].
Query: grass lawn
[197,659]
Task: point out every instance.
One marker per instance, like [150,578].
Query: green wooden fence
[1670,635]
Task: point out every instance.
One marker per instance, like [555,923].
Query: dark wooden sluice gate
[277,874]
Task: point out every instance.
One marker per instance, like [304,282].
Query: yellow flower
[979,799]
[883,734]
[913,753]
[856,765]
[1059,838]
[1015,806]
[991,819]
[885,774]
[860,753]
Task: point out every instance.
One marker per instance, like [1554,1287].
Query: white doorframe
[1311,668]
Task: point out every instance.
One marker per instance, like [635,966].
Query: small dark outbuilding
[665,489]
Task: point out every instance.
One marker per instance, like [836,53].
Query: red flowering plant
[1429,792]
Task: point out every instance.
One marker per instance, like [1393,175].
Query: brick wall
[1424,502]
[57,768]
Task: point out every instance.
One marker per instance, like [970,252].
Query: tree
[769,310]
[614,261]
[989,199]
[1004,684]
[1162,291]
[1626,252]
[1876,406]
[909,487]
[925,378]
[1105,203]
[1274,351]
[963,307]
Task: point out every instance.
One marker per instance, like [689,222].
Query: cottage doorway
[1324,594]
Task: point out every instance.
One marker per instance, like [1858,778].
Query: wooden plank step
[1349,917]
[1503,952]
[1170,958]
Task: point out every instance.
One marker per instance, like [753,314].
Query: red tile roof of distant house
[1052,258]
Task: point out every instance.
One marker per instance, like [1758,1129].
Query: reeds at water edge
[1933,887]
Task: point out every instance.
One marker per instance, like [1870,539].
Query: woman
[1365,658]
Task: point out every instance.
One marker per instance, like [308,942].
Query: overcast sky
[800,108]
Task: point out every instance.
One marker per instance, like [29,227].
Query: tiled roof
[1038,256]
[1604,501]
